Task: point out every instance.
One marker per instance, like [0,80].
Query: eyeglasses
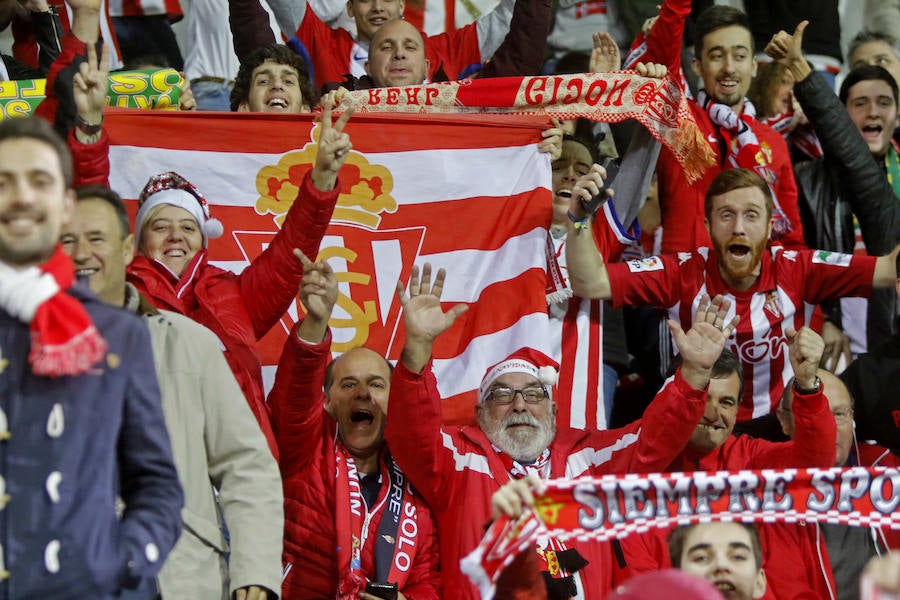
[844,415]
[505,395]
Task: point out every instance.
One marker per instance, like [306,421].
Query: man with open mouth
[852,190]
[770,289]
[352,521]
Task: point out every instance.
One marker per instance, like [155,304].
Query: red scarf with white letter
[619,505]
[396,543]
[64,340]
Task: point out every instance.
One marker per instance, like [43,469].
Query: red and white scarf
[64,340]
[803,137]
[353,520]
[744,151]
[559,561]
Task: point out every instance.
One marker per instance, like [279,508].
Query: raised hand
[318,293]
[787,49]
[805,348]
[334,146]
[90,85]
[552,142]
[422,312]
[513,497]
[701,346]
[605,56]
[586,187]
[654,70]
[186,100]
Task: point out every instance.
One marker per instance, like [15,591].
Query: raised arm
[47,31]
[868,192]
[672,417]
[814,425]
[664,41]
[269,284]
[587,270]
[296,402]
[288,13]
[413,430]
[523,49]
[250,29]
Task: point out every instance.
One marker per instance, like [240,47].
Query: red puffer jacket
[240,309]
[306,436]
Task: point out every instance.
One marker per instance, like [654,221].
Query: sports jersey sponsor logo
[651,263]
[683,257]
[756,351]
[837,259]
[790,255]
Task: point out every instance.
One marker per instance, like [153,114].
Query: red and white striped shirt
[790,284]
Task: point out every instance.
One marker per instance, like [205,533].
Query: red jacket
[457,471]
[306,437]
[680,203]
[240,309]
[791,553]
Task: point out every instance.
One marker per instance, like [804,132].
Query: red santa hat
[524,360]
[172,188]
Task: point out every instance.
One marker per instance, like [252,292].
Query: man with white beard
[457,469]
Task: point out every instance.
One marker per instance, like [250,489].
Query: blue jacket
[68,447]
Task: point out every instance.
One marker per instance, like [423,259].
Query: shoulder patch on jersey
[827,257]
[651,263]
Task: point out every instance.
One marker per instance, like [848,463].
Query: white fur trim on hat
[548,376]
[209,228]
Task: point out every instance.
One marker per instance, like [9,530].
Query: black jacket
[846,182]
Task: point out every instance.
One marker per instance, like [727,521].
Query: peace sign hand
[334,146]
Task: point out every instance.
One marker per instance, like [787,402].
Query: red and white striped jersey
[790,284]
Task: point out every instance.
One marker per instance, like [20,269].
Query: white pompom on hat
[172,188]
[524,360]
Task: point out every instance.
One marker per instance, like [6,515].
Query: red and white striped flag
[469,193]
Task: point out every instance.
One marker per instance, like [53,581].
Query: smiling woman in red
[174,225]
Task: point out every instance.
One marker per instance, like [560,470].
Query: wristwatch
[88,128]
[815,389]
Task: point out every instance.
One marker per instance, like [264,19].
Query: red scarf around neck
[353,521]
[64,340]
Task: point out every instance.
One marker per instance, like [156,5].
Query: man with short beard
[457,469]
[771,290]
[725,63]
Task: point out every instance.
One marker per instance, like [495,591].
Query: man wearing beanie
[458,469]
